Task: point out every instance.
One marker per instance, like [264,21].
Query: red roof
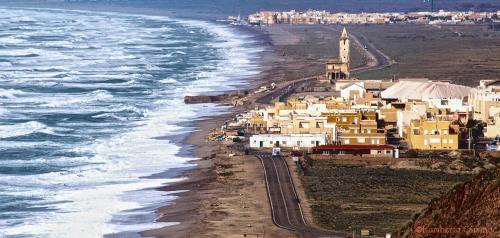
[354,147]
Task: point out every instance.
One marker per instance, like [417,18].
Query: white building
[454,104]
[352,91]
[287,140]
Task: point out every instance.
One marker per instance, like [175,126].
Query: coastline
[199,184]
[201,187]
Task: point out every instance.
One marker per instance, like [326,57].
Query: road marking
[269,196]
[281,190]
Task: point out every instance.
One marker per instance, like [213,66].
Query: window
[450,141]
[379,152]
[369,131]
[387,151]
[445,132]
[312,142]
[346,141]
[435,140]
[344,119]
[298,143]
[283,142]
[361,140]
[271,142]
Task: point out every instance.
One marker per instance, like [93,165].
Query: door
[261,144]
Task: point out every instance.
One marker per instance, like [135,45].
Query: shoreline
[200,181]
[201,176]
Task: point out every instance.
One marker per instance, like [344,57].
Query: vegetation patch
[354,197]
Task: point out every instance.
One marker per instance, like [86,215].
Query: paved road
[289,87]
[285,205]
[381,60]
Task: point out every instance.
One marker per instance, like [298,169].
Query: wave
[110,116]
[74,100]
[10,93]
[21,129]
[169,80]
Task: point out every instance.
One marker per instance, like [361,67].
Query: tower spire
[344,34]
[344,47]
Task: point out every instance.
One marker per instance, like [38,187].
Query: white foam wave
[169,80]
[7,131]
[75,100]
[10,93]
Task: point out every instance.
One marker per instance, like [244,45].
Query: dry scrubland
[463,54]
[303,49]
[383,194]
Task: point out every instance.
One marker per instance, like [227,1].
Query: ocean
[91,108]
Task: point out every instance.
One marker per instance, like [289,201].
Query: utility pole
[470,138]
[432,4]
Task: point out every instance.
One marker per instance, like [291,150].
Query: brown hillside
[470,209]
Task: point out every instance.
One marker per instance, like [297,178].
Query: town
[339,114]
[325,17]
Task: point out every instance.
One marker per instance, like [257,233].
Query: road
[380,60]
[285,204]
[282,89]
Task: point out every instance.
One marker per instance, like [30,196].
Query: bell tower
[338,69]
[344,47]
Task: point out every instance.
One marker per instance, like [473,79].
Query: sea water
[89,106]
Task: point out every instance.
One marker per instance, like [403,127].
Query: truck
[276,151]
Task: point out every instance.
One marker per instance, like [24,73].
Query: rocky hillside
[470,209]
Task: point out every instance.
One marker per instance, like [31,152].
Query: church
[338,69]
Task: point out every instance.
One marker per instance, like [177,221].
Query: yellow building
[355,128]
[432,135]
[305,125]
[484,104]
[493,127]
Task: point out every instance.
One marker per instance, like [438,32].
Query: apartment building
[436,134]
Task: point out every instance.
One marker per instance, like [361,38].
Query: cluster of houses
[325,17]
[408,114]
[376,117]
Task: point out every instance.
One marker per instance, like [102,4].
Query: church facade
[338,69]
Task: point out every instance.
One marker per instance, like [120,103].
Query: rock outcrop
[470,209]
[204,99]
